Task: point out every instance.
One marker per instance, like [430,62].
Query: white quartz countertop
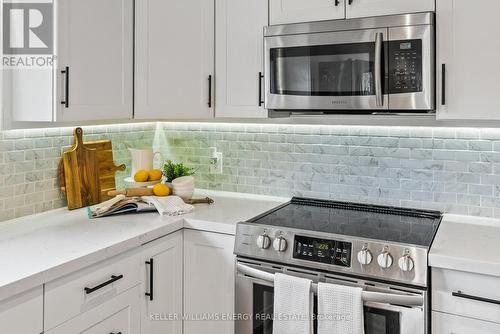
[469,244]
[37,249]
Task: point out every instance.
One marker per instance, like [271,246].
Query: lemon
[161,190]
[155,175]
[141,176]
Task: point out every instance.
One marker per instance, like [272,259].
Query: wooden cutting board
[81,174]
[107,167]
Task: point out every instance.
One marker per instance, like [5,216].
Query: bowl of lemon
[144,178]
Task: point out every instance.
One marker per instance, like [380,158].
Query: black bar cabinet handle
[261,77]
[210,91]
[66,87]
[337,2]
[350,2]
[102,285]
[151,279]
[115,333]
[459,294]
[443,84]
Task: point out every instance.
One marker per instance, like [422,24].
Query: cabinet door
[22,314]
[292,11]
[174,59]
[162,286]
[239,63]
[96,45]
[367,8]
[469,51]
[208,281]
[447,323]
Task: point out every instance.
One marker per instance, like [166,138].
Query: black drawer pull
[459,294]
[337,2]
[102,285]
[115,333]
[151,279]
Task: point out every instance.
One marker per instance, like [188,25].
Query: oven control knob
[365,257]
[385,260]
[406,263]
[279,244]
[263,241]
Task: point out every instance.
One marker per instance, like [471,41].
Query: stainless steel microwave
[370,65]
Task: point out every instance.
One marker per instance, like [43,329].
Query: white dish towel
[340,309]
[293,305]
[169,205]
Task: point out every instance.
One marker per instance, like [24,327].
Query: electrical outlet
[215,161]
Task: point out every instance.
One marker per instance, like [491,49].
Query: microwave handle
[374,297]
[379,41]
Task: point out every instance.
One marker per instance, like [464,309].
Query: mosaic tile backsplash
[29,161]
[456,170]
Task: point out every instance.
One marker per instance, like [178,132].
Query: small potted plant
[180,178]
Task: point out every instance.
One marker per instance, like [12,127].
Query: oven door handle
[374,297]
[379,42]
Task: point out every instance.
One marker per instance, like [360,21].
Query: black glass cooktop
[391,224]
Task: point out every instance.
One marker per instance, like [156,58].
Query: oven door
[255,300]
[327,71]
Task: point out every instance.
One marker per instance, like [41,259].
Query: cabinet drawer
[119,315]
[85,289]
[471,295]
[451,324]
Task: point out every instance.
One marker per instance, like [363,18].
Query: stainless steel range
[382,249]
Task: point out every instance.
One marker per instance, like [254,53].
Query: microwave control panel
[405,66]
[323,251]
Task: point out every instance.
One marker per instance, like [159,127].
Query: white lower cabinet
[466,294]
[161,287]
[208,282]
[84,290]
[443,323]
[22,314]
[119,315]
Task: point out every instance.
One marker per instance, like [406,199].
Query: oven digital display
[333,252]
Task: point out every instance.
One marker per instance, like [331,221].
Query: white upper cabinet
[239,62]
[468,50]
[95,44]
[367,8]
[174,69]
[292,11]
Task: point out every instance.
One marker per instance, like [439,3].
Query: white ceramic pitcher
[143,159]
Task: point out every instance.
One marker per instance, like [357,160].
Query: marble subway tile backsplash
[29,161]
[456,170]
